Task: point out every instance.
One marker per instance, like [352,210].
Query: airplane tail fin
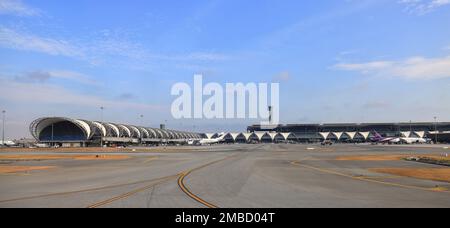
[377,135]
[222,136]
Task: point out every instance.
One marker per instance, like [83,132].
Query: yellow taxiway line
[296,163]
[131,193]
[181,184]
[190,194]
[151,159]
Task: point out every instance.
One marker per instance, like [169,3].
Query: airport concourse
[68,132]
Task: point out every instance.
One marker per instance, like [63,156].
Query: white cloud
[45,76]
[412,68]
[74,76]
[204,56]
[13,91]
[22,41]
[103,49]
[17,7]
[95,50]
[365,67]
[115,46]
[35,91]
[423,6]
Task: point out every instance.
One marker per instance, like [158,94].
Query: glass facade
[311,132]
[62,131]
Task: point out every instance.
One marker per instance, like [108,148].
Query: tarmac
[227,176]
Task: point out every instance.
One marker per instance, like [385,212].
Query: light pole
[410,126]
[53,135]
[435,130]
[3,127]
[101,119]
[140,123]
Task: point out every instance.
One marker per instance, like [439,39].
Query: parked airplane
[217,140]
[41,145]
[412,140]
[7,143]
[396,140]
[377,138]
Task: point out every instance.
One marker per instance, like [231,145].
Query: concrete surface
[265,175]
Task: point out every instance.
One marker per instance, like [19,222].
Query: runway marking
[11,169]
[131,193]
[190,194]
[296,163]
[180,176]
[15,174]
[128,194]
[77,191]
[383,177]
[151,159]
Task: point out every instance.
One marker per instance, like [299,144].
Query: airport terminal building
[310,133]
[69,132]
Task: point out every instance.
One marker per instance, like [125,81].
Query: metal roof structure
[68,129]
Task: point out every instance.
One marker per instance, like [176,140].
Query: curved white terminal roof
[158,133]
[171,134]
[279,135]
[260,135]
[153,133]
[421,134]
[406,133]
[164,133]
[85,126]
[351,135]
[338,134]
[145,133]
[98,129]
[183,135]
[365,134]
[325,135]
[286,135]
[125,130]
[39,125]
[168,134]
[247,135]
[234,135]
[273,135]
[115,129]
[176,134]
[136,131]
[101,127]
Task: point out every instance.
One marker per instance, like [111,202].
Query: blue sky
[336,60]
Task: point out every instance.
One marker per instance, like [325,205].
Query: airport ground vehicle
[327,143]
